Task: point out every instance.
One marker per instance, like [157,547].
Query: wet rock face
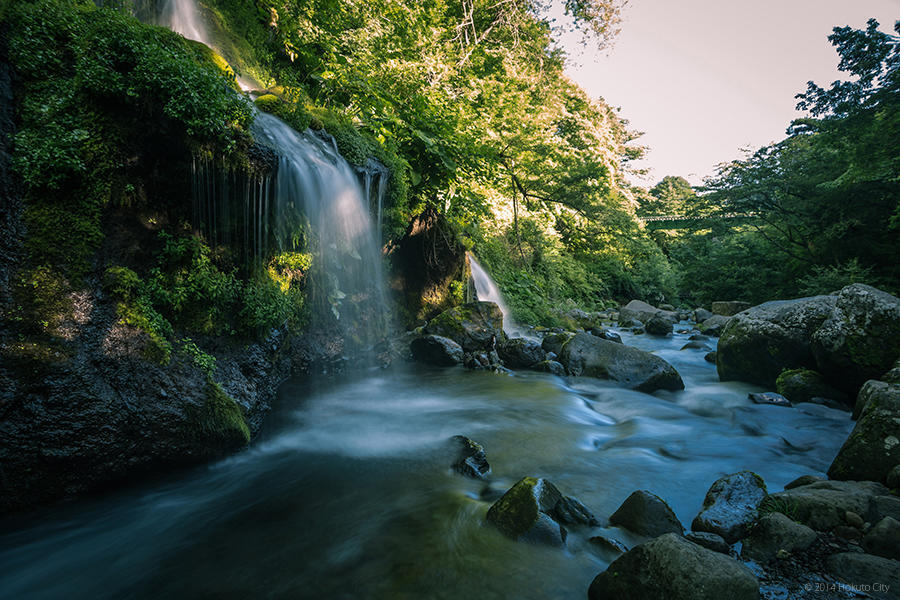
[823,505]
[673,568]
[873,448]
[471,459]
[775,533]
[731,505]
[884,539]
[714,325]
[881,575]
[521,353]
[436,350]
[590,356]
[476,326]
[646,514]
[659,325]
[802,385]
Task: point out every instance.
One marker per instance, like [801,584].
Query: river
[347,492]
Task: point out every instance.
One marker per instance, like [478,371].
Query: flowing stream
[486,289]
[348,493]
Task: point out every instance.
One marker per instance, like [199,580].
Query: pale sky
[704,78]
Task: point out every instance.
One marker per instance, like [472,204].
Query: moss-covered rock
[476,326]
[520,353]
[673,568]
[646,514]
[873,447]
[802,385]
[436,350]
[523,512]
[222,419]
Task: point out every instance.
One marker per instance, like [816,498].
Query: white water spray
[183,17]
[486,289]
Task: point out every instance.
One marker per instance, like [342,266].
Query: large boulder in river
[553,342]
[873,447]
[673,568]
[658,325]
[860,339]
[714,325]
[731,505]
[436,350]
[802,385]
[534,510]
[475,326]
[760,342]
[729,308]
[647,514]
[588,355]
[636,310]
[521,353]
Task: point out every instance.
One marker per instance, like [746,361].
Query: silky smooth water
[486,289]
[348,492]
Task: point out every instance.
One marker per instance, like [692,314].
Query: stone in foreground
[873,448]
[476,326]
[587,355]
[436,350]
[532,510]
[882,575]
[471,459]
[646,514]
[773,534]
[731,505]
[673,568]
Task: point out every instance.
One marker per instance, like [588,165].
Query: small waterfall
[486,289]
[183,17]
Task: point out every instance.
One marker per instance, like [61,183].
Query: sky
[704,78]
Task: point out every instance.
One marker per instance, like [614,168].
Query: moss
[40,299]
[517,510]
[222,417]
[207,56]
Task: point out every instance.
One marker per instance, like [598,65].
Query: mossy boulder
[646,514]
[880,394]
[671,567]
[759,343]
[731,505]
[222,418]
[553,342]
[521,353]
[534,510]
[860,339]
[590,356]
[873,447]
[476,326]
[802,385]
[714,325]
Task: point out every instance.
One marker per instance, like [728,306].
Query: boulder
[884,539]
[436,350]
[880,575]
[893,478]
[824,505]
[892,376]
[860,339]
[476,326]
[883,395]
[759,343]
[802,480]
[608,544]
[714,325]
[701,314]
[710,357]
[646,514]
[731,505]
[534,510]
[520,353]
[470,459]
[769,398]
[873,448]
[658,325]
[606,334]
[555,341]
[774,533]
[695,346]
[729,308]
[710,541]
[482,361]
[885,506]
[802,385]
[587,355]
[637,310]
[550,366]
[673,568]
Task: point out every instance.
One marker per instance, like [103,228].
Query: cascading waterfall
[486,289]
[313,200]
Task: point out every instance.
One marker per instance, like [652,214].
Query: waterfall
[486,289]
[183,17]
[312,200]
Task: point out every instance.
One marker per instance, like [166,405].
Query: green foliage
[40,299]
[785,506]
[825,280]
[203,361]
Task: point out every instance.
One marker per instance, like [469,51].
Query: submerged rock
[769,398]
[673,568]
[710,357]
[471,459]
[647,514]
[436,350]
[476,326]
[731,505]
[534,510]
[550,366]
[587,355]
[775,533]
[608,544]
